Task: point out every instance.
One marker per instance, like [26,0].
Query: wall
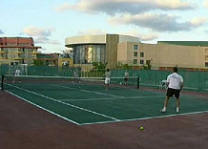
[111,50]
[96,39]
[122,53]
[163,55]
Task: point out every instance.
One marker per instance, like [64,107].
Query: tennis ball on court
[141,128]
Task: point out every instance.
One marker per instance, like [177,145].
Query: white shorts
[17,74]
[107,80]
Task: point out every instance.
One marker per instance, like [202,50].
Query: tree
[123,66]
[99,66]
[38,63]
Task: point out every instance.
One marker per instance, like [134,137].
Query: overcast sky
[49,22]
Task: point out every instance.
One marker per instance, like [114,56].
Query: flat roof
[186,43]
[31,47]
[97,39]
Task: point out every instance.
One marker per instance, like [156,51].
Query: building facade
[96,48]
[47,59]
[17,50]
[164,55]
[115,49]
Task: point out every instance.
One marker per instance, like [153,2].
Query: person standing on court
[16,75]
[126,77]
[175,85]
[107,78]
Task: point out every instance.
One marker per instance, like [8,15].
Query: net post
[138,78]
[2,82]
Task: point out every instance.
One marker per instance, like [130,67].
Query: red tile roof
[17,42]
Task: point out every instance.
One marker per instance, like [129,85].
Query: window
[206,64]
[148,61]
[141,61]
[141,54]
[135,54]
[135,47]
[135,61]
[206,51]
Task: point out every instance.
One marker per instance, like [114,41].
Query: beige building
[96,48]
[17,50]
[115,49]
[164,54]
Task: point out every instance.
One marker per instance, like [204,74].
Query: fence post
[138,78]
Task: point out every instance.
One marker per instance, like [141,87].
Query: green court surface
[85,104]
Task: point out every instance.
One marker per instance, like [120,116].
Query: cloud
[147,37]
[91,32]
[158,22]
[198,21]
[63,7]
[113,7]
[205,3]
[142,36]
[1,32]
[35,31]
[40,35]
[45,40]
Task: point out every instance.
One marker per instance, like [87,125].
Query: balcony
[18,58]
[34,52]
[206,58]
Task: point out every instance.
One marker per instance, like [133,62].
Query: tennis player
[16,76]
[107,78]
[126,77]
[17,73]
[175,85]
[76,76]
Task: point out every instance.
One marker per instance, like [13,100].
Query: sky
[49,22]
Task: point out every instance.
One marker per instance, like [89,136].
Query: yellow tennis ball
[141,128]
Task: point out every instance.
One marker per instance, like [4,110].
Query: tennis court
[90,103]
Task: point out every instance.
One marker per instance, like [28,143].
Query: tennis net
[10,81]
[1,82]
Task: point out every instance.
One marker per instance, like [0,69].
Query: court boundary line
[101,122]
[147,118]
[109,98]
[88,91]
[42,108]
[71,105]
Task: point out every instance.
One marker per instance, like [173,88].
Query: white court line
[87,91]
[49,111]
[103,122]
[110,98]
[71,105]
[146,118]
[191,88]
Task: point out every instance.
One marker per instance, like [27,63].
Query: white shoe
[177,110]
[162,110]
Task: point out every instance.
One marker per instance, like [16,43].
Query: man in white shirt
[17,73]
[107,78]
[175,85]
[126,78]
[16,76]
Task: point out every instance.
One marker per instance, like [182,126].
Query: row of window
[135,61]
[141,54]
[206,64]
